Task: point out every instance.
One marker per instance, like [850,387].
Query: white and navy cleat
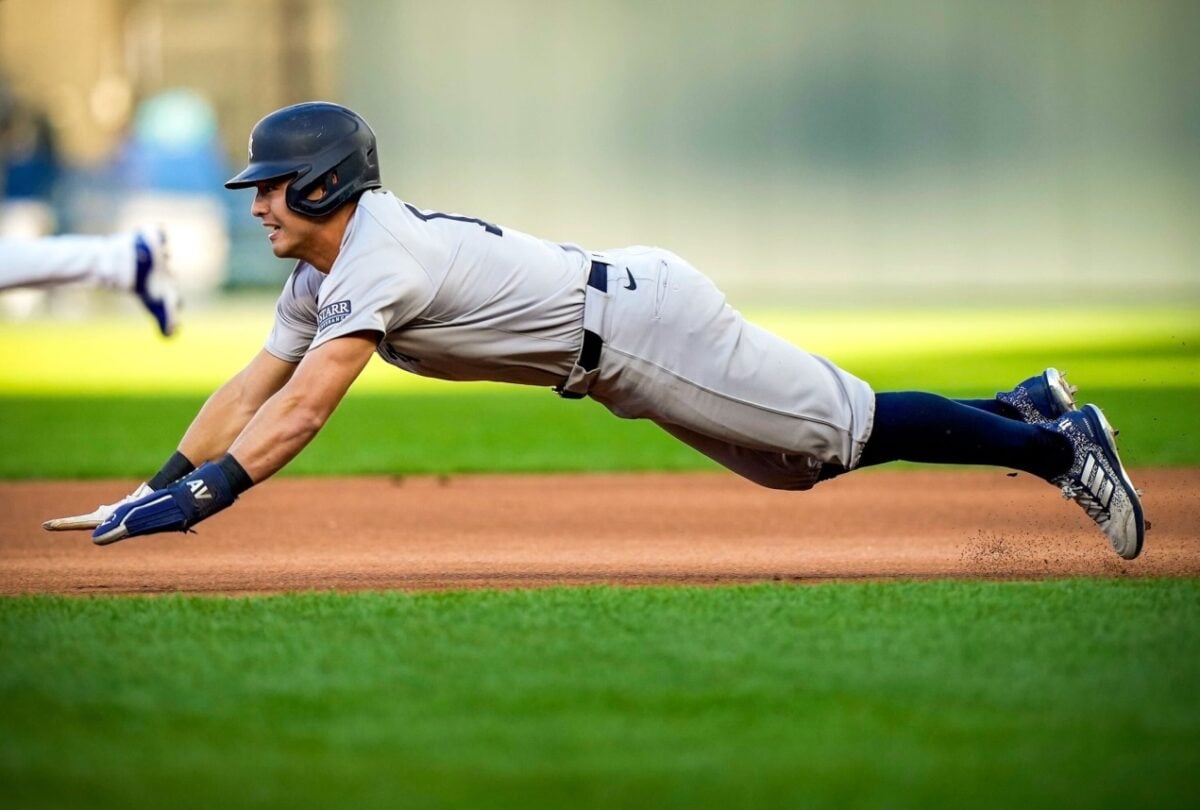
[153,282]
[1098,482]
[1042,398]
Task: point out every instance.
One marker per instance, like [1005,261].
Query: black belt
[589,355]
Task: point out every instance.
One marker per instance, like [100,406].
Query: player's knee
[792,473]
[788,481]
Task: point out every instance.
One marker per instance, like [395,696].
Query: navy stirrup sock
[916,426]
[992,406]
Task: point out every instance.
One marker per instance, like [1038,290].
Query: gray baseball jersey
[461,299]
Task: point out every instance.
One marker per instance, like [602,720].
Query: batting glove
[173,508]
[93,519]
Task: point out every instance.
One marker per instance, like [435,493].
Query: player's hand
[173,508]
[93,519]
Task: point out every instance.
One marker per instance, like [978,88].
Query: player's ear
[325,187]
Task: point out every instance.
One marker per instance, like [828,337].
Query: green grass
[1050,694]
[120,409]
[1114,347]
[63,414]
[510,430]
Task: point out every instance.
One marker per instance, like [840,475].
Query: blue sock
[915,426]
[992,406]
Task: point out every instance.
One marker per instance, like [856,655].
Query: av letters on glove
[176,507]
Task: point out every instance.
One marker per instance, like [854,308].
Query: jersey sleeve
[378,292]
[295,319]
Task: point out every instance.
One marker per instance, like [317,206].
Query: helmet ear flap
[299,197]
[343,182]
[299,190]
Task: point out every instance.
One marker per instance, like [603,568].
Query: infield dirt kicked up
[418,533]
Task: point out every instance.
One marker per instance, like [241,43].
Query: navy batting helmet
[315,143]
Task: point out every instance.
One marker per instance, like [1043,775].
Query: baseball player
[136,262]
[637,329]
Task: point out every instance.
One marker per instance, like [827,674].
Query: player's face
[290,234]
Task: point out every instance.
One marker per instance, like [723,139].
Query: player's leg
[133,262]
[923,427]
[927,425]
[677,353]
[1077,453]
[105,261]
[1038,400]
[909,426]
[767,468]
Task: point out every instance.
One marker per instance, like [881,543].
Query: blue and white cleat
[1043,398]
[1098,482]
[153,282]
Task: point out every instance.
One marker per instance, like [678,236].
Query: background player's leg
[108,261]
[133,262]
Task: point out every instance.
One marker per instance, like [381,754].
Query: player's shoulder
[377,207]
[402,217]
[297,301]
[381,219]
[383,236]
[304,282]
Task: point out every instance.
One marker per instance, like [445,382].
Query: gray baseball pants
[676,353]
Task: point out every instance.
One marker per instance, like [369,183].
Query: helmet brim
[257,173]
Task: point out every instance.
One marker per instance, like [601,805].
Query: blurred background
[803,153]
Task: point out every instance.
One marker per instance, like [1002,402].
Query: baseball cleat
[153,282]
[1042,398]
[1097,481]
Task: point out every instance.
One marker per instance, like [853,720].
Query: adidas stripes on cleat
[1097,481]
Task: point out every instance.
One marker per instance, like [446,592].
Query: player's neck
[324,250]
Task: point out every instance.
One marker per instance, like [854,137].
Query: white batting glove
[93,519]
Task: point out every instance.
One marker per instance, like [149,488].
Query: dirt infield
[521,531]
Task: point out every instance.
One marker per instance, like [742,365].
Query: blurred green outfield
[105,398]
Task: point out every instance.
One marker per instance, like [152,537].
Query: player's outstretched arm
[217,424]
[291,418]
[231,407]
[280,429]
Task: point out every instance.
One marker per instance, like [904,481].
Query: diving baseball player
[637,329]
[135,262]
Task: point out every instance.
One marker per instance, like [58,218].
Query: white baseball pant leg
[106,261]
